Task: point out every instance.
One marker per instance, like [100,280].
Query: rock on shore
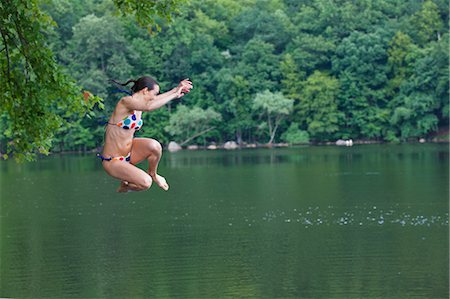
[230,145]
[173,146]
[344,142]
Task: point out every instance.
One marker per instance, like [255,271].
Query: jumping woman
[121,152]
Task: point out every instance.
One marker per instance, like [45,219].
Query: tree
[187,124]
[149,13]
[254,22]
[360,66]
[293,135]
[318,106]
[427,23]
[98,51]
[234,92]
[423,98]
[402,54]
[259,65]
[311,52]
[292,78]
[207,26]
[274,108]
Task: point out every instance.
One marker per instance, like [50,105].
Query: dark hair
[140,83]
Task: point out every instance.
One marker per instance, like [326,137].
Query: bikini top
[130,122]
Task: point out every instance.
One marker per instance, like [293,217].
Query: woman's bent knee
[145,182]
[155,146]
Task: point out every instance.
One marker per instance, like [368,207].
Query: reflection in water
[314,222]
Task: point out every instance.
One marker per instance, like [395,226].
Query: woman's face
[155,91]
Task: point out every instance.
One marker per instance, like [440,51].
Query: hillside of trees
[263,70]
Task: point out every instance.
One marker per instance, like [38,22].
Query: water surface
[316,222]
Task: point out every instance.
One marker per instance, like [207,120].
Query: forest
[264,71]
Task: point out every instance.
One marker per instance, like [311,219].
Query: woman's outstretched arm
[148,104]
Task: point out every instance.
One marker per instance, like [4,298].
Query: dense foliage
[369,69]
[38,96]
[35,92]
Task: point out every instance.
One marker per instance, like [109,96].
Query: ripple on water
[356,216]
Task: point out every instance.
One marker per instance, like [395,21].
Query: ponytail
[139,84]
[123,84]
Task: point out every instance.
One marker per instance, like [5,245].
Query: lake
[368,221]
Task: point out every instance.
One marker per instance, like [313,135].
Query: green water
[307,222]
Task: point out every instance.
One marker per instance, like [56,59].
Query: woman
[121,152]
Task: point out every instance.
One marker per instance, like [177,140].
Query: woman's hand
[183,88]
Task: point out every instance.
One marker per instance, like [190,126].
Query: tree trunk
[272,135]
[269,122]
[239,136]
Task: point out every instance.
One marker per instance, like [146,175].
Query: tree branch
[8,73]
[196,135]
[23,48]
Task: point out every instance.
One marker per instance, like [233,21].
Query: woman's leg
[132,177]
[150,150]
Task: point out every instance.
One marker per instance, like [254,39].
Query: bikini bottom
[126,158]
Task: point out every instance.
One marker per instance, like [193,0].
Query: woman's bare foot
[123,187]
[160,181]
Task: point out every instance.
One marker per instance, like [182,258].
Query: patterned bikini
[128,123]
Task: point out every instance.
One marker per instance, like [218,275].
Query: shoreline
[274,145]
[235,146]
